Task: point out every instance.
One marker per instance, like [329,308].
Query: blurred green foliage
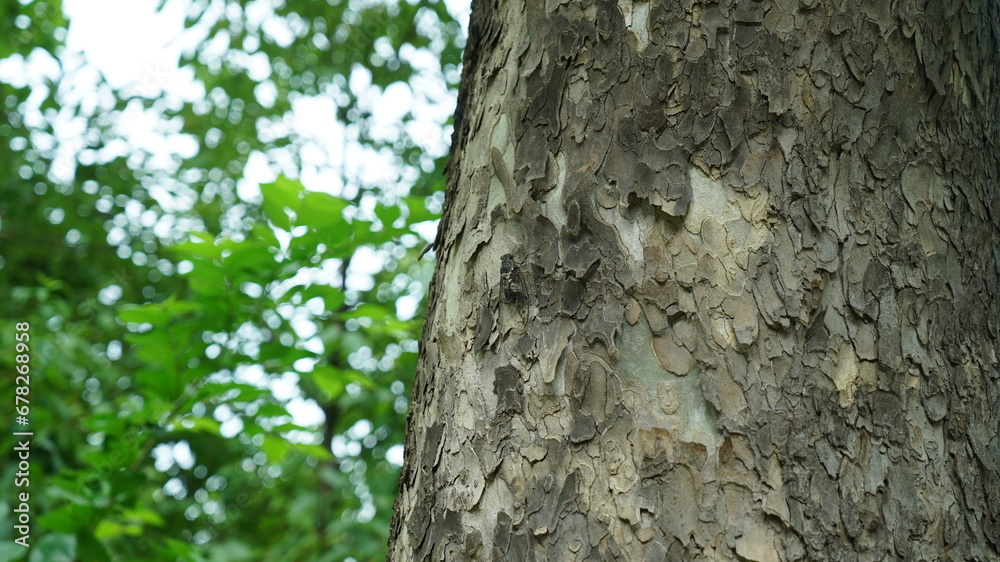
[177,313]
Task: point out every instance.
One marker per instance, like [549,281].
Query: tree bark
[716,280]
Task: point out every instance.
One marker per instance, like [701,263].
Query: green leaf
[333,298]
[108,423]
[156,381]
[362,379]
[416,208]
[151,313]
[208,279]
[54,548]
[177,308]
[180,550]
[265,235]
[201,247]
[368,310]
[66,489]
[275,448]
[90,548]
[107,530]
[207,425]
[320,210]
[156,314]
[280,197]
[329,380]
[271,410]
[231,392]
[144,515]
[154,348]
[11,551]
[68,518]
[250,257]
[388,214]
[318,451]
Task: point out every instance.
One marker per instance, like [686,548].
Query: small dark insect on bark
[511,281]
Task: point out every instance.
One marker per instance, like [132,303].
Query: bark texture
[717,280]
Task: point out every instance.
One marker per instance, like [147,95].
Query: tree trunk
[717,280]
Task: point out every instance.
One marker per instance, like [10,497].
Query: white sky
[135,46]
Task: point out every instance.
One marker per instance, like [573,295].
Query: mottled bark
[750,309]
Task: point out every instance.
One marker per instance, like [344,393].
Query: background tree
[179,311]
[717,280]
